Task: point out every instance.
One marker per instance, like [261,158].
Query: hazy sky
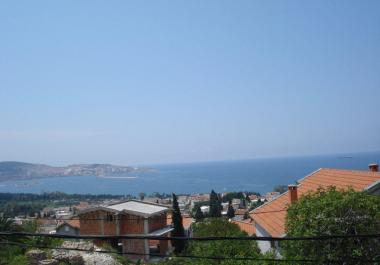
[131,82]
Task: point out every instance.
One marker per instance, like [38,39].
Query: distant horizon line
[345,155]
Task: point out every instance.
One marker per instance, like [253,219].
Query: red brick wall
[109,223]
[164,246]
[131,224]
[88,226]
[91,223]
[134,246]
[157,222]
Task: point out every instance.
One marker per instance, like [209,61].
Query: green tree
[9,252]
[230,211]
[332,212]
[198,214]
[221,227]
[178,230]
[215,205]
[9,225]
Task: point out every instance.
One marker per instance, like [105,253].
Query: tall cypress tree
[198,214]
[178,230]
[231,210]
[215,205]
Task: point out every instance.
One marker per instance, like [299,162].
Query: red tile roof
[186,220]
[247,226]
[73,223]
[271,216]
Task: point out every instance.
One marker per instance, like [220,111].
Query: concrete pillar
[117,224]
[101,224]
[146,241]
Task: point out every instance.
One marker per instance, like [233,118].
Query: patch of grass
[18,260]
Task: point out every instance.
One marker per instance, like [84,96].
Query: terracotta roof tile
[72,222]
[246,225]
[271,216]
[186,220]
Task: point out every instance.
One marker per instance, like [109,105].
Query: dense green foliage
[14,254]
[198,215]
[9,252]
[221,227]
[215,205]
[224,248]
[178,230]
[24,208]
[333,212]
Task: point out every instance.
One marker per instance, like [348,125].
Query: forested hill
[11,170]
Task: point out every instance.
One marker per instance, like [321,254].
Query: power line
[236,238]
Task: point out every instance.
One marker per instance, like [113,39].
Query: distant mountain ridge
[13,170]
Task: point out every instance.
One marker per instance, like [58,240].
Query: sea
[258,175]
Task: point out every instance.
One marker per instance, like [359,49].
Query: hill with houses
[12,170]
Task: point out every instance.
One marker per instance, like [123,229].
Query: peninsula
[12,170]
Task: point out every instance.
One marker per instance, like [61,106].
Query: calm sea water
[259,175]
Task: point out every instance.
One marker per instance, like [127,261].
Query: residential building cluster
[152,215]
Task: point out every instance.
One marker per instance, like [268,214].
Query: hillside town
[155,217]
[55,219]
[190,132]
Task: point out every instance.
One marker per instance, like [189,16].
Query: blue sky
[136,82]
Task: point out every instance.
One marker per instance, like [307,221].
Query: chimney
[293,195]
[373,167]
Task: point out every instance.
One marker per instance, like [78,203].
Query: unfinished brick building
[129,218]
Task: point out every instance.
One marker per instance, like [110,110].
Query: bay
[259,175]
